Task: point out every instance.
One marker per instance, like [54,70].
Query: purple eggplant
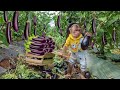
[11,24]
[92,44]
[85,43]
[5,13]
[37,52]
[93,26]
[50,49]
[45,51]
[50,41]
[15,20]
[37,48]
[47,40]
[34,47]
[40,49]
[58,21]
[114,35]
[35,20]
[44,27]
[35,32]
[46,45]
[44,34]
[61,32]
[49,45]
[104,40]
[26,31]
[87,74]
[52,46]
[50,38]
[36,42]
[53,43]
[8,32]
[40,45]
[85,26]
[39,40]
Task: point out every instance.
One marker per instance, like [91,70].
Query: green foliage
[28,43]
[9,76]
[3,40]
[59,67]
[105,21]
[22,71]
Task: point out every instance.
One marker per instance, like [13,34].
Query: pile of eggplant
[41,45]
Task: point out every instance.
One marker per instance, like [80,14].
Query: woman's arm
[88,34]
[66,45]
[65,48]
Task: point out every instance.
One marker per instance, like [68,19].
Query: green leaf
[88,26]
[114,18]
[1,19]
[103,19]
[3,39]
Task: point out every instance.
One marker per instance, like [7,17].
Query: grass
[22,71]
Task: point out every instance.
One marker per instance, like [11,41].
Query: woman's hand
[88,34]
[64,55]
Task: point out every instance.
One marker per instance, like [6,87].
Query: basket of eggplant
[40,48]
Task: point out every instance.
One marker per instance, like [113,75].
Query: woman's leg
[70,64]
[82,61]
[69,69]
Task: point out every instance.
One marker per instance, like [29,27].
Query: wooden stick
[65,56]
[34,61]
[31,55]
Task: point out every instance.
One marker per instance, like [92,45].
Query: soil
[8,63]
[8,56]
